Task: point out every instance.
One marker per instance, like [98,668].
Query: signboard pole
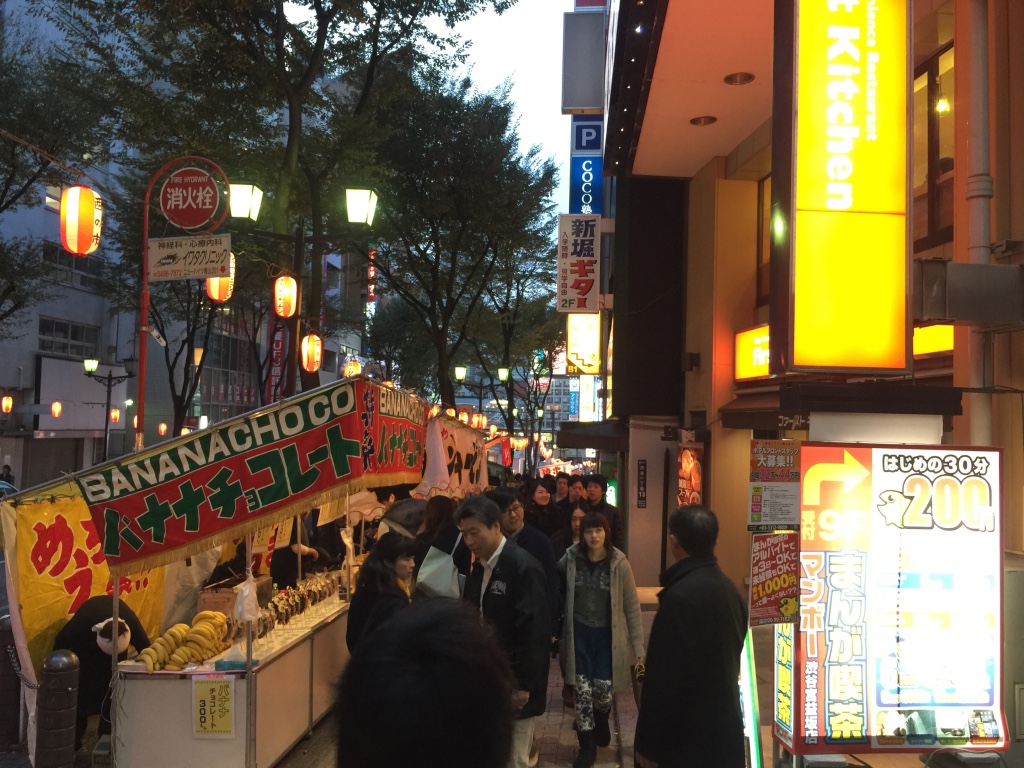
[144,289]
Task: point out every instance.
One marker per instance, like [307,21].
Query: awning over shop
[760,410]
[610,435]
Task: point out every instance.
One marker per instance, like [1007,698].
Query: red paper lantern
[352,368]
[286,292]
[81,220]
[162,428]
[55,409]
[219,289]
[7,404]
[312,352]
[115,415]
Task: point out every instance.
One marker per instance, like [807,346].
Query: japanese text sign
[213,710]
[897,644]
[774,486]
[189,258]
[189,198]
[455,460]
[773,574]
[301,452]
[579,263]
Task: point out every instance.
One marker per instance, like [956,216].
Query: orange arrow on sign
[850,472]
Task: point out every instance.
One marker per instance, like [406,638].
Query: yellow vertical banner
[60,566]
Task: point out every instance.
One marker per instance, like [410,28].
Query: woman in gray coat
[602,636]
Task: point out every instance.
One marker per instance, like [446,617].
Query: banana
[148,661]
[202,628]
[177,632]
[216,615]
[150,652]
[173,668]
[171,640]
[180,656]
[161,651]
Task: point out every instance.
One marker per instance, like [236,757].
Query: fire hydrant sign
[189,198]
[213,707]
[897,644]
[189,258]
[773,577]
[774,486]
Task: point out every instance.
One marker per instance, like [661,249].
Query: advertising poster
[691,474]
[774,485]
[898,642]
[773,574]
[579,263]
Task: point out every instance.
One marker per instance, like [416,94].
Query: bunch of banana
[158,655]
[183,644]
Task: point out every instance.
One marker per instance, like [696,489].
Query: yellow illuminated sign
[583,343]
[933,339]
[850,224]
[752,353]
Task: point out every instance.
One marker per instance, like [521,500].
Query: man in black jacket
[597,487]
[507,584]
[690,708]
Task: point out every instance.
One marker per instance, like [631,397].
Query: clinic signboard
[896,644]
[840,239]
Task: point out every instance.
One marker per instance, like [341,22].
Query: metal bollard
[10,689]
[56,711]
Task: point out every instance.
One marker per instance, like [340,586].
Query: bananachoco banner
[163,504]
[55,551]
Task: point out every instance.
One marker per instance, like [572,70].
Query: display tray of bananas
[183,644]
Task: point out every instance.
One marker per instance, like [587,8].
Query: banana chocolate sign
[897,641]
[302,452]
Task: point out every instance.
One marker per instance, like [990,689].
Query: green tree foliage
[24,282]
[52,123]
[459,194]
[396,340]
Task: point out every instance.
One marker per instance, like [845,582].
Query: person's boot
[587,755]
[568,696]
[602,733]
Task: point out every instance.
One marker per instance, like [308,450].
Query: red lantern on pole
[81,220]
[285,292]
[55,409]
[312,352]
[7,404]
[162,428]
[115,415]
[219,289]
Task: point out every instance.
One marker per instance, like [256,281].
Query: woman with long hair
[381,586]
[602,635]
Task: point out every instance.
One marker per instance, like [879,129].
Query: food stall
[144,519]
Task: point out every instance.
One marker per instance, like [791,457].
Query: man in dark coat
[597,487]
[507,585]
[690,707]
[89,635]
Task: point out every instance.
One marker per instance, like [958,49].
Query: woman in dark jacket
[542,513]
[379,592]
[437,515]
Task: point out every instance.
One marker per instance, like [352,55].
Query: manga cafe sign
[298,454]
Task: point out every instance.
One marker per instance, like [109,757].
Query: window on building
[932,214]
[65,268]
[226,385]
[62,337]
[764,212]
[52,198]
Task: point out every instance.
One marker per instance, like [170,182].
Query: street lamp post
[109,381]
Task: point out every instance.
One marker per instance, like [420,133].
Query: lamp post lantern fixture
[109,381]
[478,387]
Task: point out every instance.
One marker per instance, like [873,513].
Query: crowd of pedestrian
[542,567]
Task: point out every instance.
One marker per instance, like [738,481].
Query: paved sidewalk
[558,743]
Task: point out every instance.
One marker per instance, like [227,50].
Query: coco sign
[189,198]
